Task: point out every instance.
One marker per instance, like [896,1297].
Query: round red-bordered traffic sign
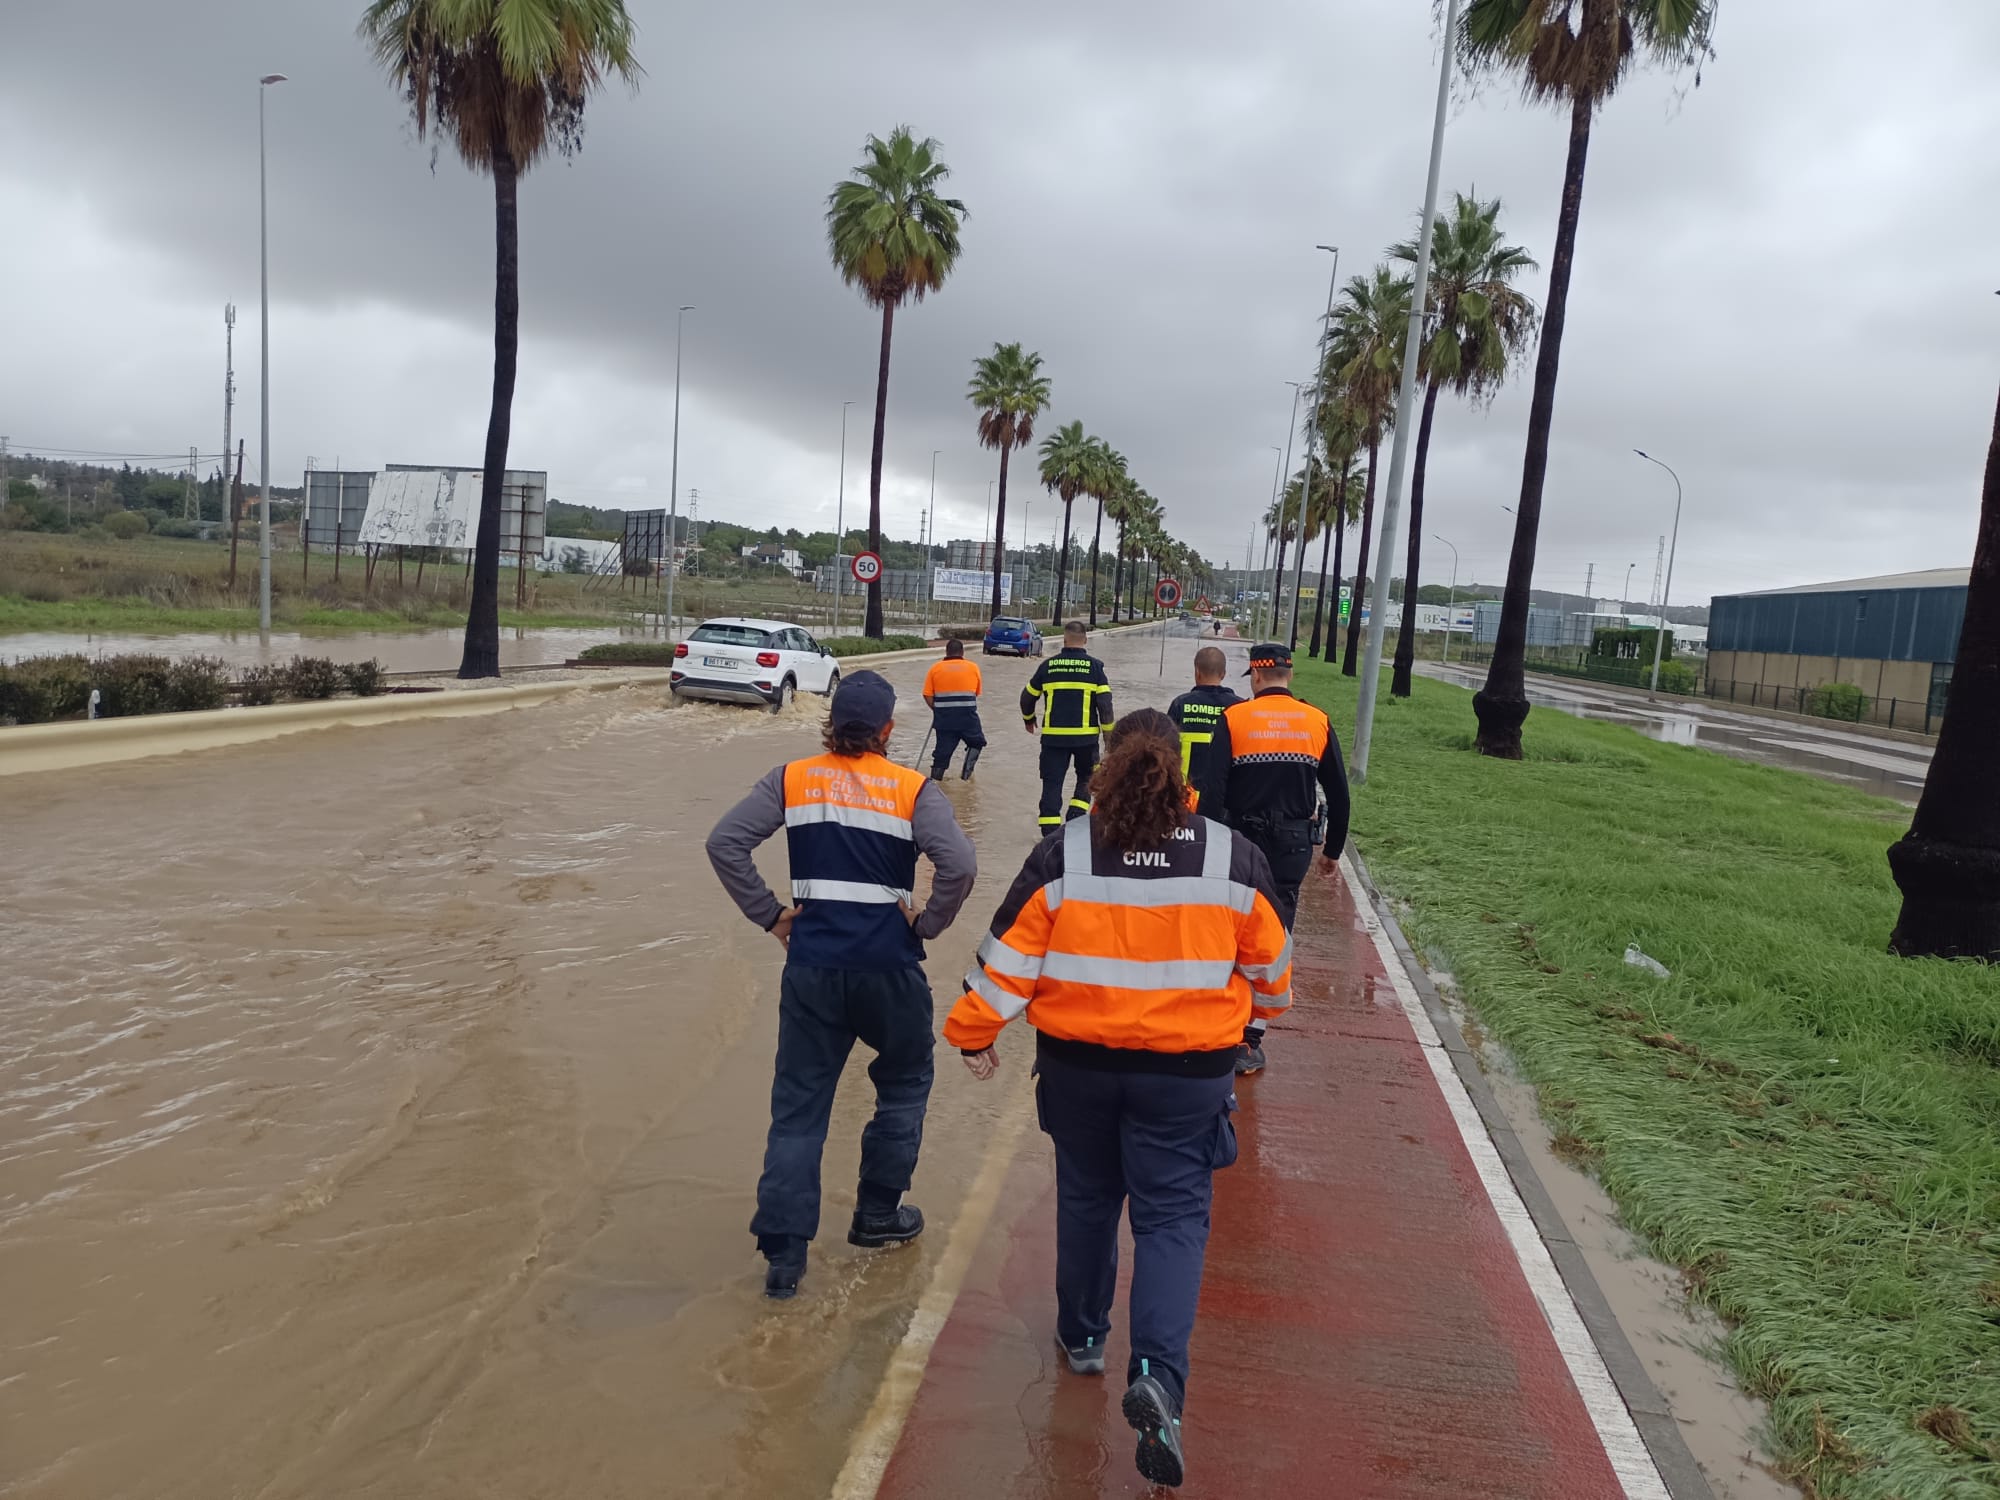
[1167,594]
[866,566]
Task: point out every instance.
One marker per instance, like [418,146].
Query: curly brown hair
[1139,794]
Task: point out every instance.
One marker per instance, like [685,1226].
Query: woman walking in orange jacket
[1139,943]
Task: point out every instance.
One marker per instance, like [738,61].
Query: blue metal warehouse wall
[1875,625]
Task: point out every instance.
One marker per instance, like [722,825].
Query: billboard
[1460,617]
[969,586]
[410,507]
[336,504]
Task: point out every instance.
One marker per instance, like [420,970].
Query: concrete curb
[1651,1412]
[95,742]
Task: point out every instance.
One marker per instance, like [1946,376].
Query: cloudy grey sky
[1784,284]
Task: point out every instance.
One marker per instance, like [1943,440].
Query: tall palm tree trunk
[1336,521]
[872,622]
[1502,705]
[1000,527]
[1948,864]
[1339,573]
[481,657]
[1118,578]
[1096,537]
[1062,569]
[1278,569]
[1406,638]
[1361,564]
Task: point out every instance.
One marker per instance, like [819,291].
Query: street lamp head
[1642,453]
[271,78]
[686,307]
[1330,249]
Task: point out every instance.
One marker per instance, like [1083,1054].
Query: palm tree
[504,79]
[1573,52]
[1365,361]
[1107,479]
[1342,508]
[1948,865]
[892,236]
[1010,392]
[1067,454]
[1476,323]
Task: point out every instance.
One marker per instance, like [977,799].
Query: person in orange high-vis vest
[854,824]
[951,688]
[1138,942]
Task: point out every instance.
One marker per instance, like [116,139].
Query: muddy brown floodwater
[381,1111]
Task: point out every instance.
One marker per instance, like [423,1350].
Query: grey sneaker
[1086,1358]
[1249,1059]
[1149,1411]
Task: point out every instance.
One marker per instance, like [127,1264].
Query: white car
[735,660]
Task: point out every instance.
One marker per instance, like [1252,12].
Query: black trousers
[1290,856]
[1059,753]
[822,1013]
[1147,1144]
[954,727]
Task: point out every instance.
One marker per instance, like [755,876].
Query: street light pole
[674,472]
[1660,626]
[1257,615]
[1284,477]
[1385,556]
[264,369]
[930,536]
[1625,596]
[1451,608]
[1312,431]
[840,515]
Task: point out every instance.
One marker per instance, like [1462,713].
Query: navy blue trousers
[955,727]
[821,1014]
[1155,1140]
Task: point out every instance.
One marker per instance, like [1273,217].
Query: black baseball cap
[863,701]
[1268,654]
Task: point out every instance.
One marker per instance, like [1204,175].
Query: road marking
[875,1442]
[1630,1460]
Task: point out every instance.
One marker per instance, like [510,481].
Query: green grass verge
[1806,1125]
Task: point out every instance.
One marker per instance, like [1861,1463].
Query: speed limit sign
[1168,594]
[867,567]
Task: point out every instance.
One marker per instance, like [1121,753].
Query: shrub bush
[1676,677]
[174,526]
[42,688]
[132,685]
[1838,700]
[631,653]
[313,677]
[364,679]
[197,682]
[261,684]
[861,645]
[126,524]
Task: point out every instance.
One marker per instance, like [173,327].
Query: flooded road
[426,650]
[1871,763]
[381,1110]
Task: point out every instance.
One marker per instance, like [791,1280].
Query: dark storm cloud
[1783,284]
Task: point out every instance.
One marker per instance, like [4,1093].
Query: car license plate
[726,663]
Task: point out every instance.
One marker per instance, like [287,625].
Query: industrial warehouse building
[1893,637]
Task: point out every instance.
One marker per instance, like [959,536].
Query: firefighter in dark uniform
[1271,758]
[1075,697]
[952,688]
[1197,712]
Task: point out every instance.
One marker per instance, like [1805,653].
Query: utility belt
[1260,829]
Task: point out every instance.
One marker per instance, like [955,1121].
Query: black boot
[874,1231]
[786,1268]
[971,760]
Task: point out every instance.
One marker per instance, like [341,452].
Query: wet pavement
[1366,1328]
[1879,764]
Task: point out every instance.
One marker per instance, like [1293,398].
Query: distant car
[734,660]
[1011,633]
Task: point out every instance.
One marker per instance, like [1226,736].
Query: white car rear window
[730,635]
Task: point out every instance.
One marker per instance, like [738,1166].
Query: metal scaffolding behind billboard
[336,504]
[643,546]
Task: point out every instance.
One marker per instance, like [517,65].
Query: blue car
[1011,633]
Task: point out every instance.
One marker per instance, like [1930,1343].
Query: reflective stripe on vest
[848,829]
[1212,887]
[1276,729]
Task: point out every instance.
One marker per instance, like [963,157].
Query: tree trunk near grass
[1347,666]
[1948,865]
[1406,638]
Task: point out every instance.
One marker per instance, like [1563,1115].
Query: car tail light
[767,658]
[680,650]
